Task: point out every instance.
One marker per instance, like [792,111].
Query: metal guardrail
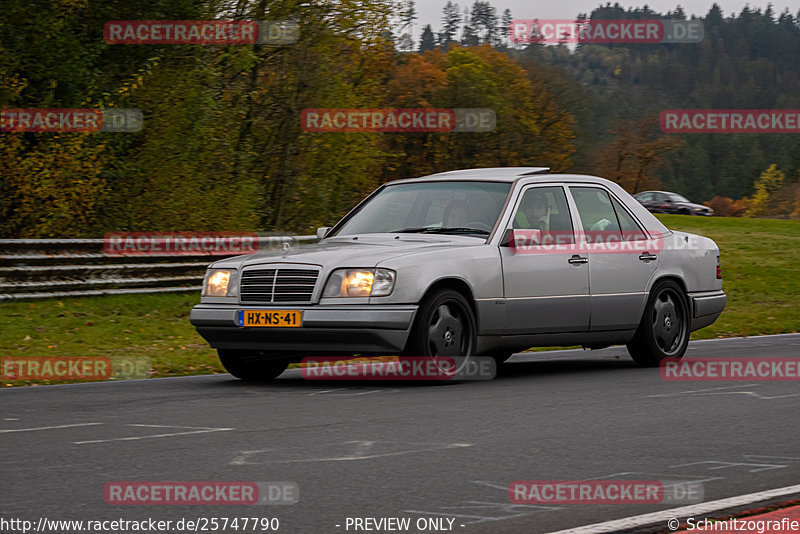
[56,268]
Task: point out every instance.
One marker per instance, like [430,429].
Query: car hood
[364,250]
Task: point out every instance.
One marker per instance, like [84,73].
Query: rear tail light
[719,270]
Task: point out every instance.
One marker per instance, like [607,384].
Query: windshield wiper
[440,230]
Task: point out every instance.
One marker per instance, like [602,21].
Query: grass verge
[760,273]
[760,259]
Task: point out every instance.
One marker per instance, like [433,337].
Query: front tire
[251,366]
[664,329]
[445,330]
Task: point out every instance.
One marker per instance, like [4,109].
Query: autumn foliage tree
[720,205]
[635,152]
[530,129]
[770,181]
[223,147]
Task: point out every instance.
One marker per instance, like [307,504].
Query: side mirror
[515,238]
[322,231]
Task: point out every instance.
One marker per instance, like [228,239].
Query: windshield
[675,197]
[431,207]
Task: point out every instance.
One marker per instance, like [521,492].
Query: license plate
[274,318]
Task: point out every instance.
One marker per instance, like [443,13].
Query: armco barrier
[47,268]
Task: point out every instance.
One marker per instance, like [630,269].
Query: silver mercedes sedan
[478,262]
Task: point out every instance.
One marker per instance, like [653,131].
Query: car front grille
[278,285]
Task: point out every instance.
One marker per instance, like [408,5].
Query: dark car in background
[666,202]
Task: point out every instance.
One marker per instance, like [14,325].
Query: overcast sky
[430,11]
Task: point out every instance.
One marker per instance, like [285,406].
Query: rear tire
[251,366]
[664,329]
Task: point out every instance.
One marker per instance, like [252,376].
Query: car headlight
[359,283]
[219,283]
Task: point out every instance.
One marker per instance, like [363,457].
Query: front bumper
[706,307]
[325,330]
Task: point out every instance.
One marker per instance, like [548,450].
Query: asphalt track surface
[382,450]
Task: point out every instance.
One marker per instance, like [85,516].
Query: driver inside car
[455,216]
[533,213]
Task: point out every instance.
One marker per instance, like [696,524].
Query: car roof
[508,173]
[498,174]
[504,174]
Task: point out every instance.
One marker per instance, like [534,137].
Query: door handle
[646,256]
[578,259]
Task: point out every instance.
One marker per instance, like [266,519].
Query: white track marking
[701,390]
[348,392]
[725,465]
[682,512]
[195,430]
[175,426]
[720,391]
[359,450]
[48,427]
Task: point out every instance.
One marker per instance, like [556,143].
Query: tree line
[222,147]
